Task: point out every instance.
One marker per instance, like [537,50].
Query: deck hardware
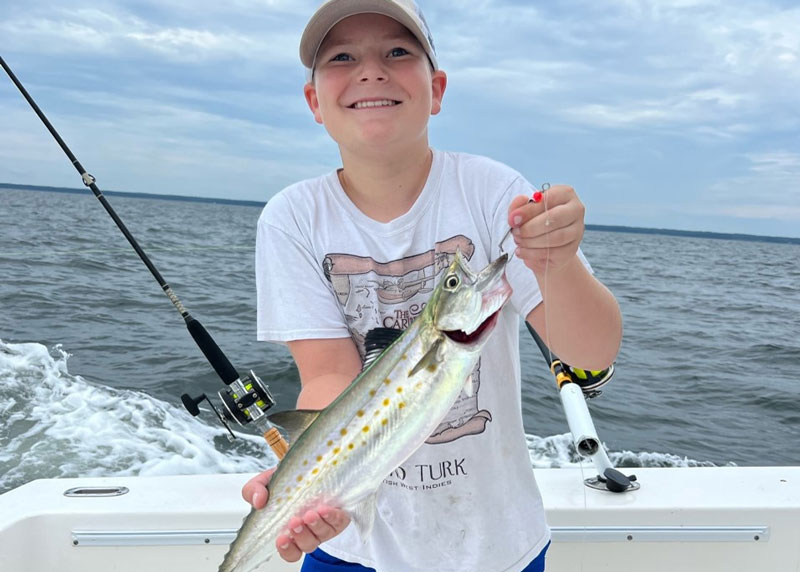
[86,492]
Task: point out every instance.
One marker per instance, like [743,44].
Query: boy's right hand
[304,534]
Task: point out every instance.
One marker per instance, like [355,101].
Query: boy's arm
[578,317]
[326,368]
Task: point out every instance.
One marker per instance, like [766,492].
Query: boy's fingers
[318,526]
[335,517]
[255,490]
[517,214]
[287,549]
[302,536]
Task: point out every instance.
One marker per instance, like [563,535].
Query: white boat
[688,519]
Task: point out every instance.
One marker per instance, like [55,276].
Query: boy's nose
[372,70]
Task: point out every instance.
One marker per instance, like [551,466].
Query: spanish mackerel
[344,452]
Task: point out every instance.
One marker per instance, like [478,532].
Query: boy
[362,247]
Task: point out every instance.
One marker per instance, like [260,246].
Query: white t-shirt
[467,499]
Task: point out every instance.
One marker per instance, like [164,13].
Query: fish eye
[451,282]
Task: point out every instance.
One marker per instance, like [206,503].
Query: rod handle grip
[218,360]
[276,442]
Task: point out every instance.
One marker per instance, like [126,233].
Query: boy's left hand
[548,233]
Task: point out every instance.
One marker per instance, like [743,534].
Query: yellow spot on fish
[315,471]
[343,432]
[288,490]
[335,462]
[384,421]
[401,404]
[350,446]
[372,393]
[330,443]
[366,429]
[319,458]
[305,462]
[299,478]
[431,368]
[404,356]
[399,390]
[336,451]
[360,413]
[418,385]
[387,381]
[386,402]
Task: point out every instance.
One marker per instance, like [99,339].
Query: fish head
[465,304]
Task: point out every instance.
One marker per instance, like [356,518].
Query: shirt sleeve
[295,299]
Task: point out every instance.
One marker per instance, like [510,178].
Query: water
[94,358]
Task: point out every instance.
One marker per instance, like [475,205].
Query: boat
[691,519]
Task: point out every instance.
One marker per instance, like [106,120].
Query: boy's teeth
[381,103]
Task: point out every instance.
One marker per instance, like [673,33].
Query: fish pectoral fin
[431,359]
[363,516]
[468,389]
[294,421]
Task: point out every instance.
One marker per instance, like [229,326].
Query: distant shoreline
[599,227]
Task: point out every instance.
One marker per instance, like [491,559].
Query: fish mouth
[461,337]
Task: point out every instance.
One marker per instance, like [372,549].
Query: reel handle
[246,400]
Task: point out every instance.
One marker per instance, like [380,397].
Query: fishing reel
[244,401]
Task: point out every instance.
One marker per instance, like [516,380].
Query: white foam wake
[54,424]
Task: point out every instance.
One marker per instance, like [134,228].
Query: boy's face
[373,85]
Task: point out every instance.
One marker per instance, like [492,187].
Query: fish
[340,455]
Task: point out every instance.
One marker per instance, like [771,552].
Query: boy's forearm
[579,317]
[320,392]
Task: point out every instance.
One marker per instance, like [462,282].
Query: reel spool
[244,401]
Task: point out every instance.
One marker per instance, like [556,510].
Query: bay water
[94,358]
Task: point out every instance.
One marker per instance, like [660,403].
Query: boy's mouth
[374,103]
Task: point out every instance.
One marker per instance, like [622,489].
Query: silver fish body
[385,414]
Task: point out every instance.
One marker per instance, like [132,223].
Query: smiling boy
[361,248]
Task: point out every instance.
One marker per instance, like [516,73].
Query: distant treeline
[600,227]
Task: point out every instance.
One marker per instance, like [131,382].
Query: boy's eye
[397,52]
[343,57]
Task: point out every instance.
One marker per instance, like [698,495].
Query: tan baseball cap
[334,11]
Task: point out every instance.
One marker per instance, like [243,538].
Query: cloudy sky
[672,114]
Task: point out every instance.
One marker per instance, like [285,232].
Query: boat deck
[692,519]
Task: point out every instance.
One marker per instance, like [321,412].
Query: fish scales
[379,421]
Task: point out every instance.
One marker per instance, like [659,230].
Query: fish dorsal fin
[430,360]
[377,340]
[294,421]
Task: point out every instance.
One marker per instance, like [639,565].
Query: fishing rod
[575,386]
[246,399]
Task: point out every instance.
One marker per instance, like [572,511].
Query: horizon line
[243,202]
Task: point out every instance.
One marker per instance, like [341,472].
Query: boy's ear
[313,102]
[438,84]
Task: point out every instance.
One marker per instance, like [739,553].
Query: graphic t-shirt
[467,499]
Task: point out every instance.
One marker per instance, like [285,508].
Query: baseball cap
[334,11]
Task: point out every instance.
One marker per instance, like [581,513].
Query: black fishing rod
[246,398]
[575,385]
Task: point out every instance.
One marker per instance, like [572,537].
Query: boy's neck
[385,188]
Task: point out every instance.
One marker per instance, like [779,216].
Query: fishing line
[550,357]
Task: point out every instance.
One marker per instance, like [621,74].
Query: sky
[681,114]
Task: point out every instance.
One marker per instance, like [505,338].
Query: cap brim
[334,12]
